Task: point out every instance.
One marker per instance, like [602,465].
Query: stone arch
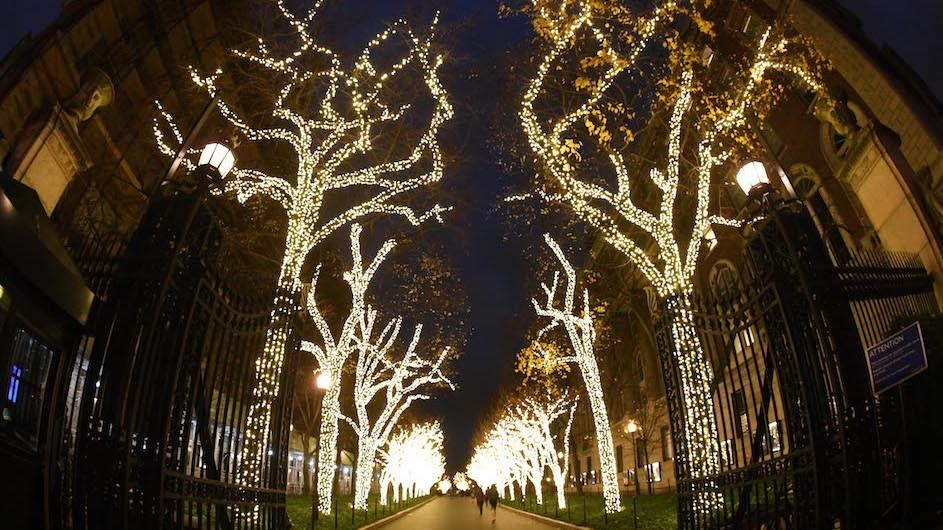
[824,209]
[723,277]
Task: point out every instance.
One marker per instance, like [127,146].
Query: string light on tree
[413,456]
[445,485]
[330,137]
[460,481]
[666,254]
[581,332]
[542,414]
[399,382]
[333,352]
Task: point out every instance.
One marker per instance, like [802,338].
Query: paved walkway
[461,513]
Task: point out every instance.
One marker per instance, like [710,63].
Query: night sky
[494,273]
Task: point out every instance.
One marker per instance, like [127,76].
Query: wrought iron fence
[161,387]
[767,472]
[802,443]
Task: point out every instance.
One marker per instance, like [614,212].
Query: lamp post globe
[218,158]
[322,380]
[752,178]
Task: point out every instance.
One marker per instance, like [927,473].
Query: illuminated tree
[398,383]
[329,115]
[662,236]
[494,464]
[521,445]
[460,480]
[413,456]
[581,332]
[542,415]
[334,350]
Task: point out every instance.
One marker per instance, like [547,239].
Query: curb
[546,520]
[397,515]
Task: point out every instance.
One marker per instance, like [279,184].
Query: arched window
[724,279]
[809,190]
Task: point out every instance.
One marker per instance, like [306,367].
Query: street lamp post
[632,428]
[322,382]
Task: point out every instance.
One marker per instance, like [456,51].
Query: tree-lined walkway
[461,513]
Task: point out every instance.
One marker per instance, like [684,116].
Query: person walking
[480,499]
[492,496]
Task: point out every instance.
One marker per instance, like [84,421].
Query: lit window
[654,471]
[726,452]
[25,389]
[707,55]
[13,391]
[775,440]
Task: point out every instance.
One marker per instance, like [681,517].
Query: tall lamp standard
[632,428]
[322,382]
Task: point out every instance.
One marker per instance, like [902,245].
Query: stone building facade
[869,172]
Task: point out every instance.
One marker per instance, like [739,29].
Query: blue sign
[897,358]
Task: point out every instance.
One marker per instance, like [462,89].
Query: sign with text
[897,358]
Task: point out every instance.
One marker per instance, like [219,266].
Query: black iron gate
[161,389]
[800,434]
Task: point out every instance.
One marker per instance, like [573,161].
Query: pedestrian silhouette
[492,496]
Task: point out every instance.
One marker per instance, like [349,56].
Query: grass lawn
[299,511]
[654,511]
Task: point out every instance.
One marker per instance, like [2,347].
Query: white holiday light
[666,257]
[511,453]
[329,137]
[520,446]
[413,456]
[460,481]
[333,352]
[397,382]
[445,485]
[543,414]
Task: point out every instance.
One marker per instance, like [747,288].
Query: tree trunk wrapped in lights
[581,332]
[659,245]
[507,455]
[333,132]
[397,382]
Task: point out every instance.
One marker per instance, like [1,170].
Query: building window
[667,450]
[740,412]
[811,193]
[775,439]
[25,389]
[619,459]
[654,471]
[707,55]
[723,279]
[727,452]
[641,452]
[589,465]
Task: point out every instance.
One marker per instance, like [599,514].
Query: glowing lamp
[752,175]
[711,238]
[323,380]
[219,157]
[631,427]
